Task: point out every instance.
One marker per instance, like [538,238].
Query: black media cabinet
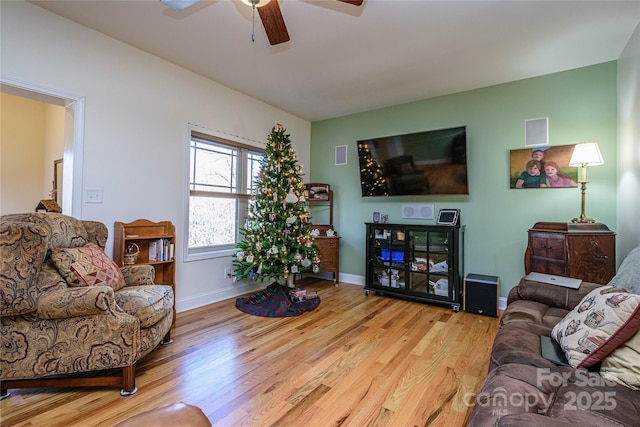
[417,262]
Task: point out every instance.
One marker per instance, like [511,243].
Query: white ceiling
[345,59]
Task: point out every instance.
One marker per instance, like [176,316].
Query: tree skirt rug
[274,301]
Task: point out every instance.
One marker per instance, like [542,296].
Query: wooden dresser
[581,250]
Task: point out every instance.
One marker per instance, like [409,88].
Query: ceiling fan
[269,11]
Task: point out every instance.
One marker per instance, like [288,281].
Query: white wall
[136,114]
[629,146]
[53,144]
[32,138]
[22,153]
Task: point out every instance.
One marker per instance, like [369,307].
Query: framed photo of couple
[542,167]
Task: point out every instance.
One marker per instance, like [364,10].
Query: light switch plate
[93,196]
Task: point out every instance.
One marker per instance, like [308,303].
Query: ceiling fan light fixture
[179,4]
[256,3]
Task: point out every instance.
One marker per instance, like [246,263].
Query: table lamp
[585,154]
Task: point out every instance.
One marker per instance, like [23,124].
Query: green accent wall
[581,106]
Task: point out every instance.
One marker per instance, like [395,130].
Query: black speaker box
[481,294]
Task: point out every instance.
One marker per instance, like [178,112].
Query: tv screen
[422,163]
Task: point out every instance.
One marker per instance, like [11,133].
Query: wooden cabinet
[581,250]
[329,252]
[143,242]
[320,202]
[420,262]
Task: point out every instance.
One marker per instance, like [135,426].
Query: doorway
[71,189]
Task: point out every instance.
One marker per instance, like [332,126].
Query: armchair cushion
[136,275]
[87,266]
[62,231]
[149,303]
[75,302]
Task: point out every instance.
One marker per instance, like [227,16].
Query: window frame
[242,195]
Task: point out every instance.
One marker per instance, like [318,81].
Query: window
[222,176]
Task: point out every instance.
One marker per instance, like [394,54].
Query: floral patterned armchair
[66,308]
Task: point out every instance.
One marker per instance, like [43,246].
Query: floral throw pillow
[87,266]
[605,318]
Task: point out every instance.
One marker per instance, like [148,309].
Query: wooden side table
[581,250]
[329,253]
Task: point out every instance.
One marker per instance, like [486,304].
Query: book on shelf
[161,250]
[153,250]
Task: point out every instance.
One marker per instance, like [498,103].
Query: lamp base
[583,218]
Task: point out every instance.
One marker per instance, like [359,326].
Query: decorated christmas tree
[371,173]
[277,240]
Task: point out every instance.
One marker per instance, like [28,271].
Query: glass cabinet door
[388,255]
[429,263]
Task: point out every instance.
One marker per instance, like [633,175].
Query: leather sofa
[523,388]
[54,328]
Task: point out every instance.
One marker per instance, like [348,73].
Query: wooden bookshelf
[147,235]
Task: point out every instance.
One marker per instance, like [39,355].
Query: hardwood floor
[356,360]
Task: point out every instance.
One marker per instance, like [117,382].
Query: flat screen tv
[421,163]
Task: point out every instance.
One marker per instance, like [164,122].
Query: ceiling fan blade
[273,23]
[353,2]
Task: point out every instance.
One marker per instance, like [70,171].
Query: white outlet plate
[93,196]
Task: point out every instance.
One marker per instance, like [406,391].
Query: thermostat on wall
[448,217]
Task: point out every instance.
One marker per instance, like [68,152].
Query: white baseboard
[346,278]
[243,288]
[352,278]
[217,295]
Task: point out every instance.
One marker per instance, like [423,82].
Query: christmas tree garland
[277,240]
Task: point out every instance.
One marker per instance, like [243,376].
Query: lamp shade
[586,153]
